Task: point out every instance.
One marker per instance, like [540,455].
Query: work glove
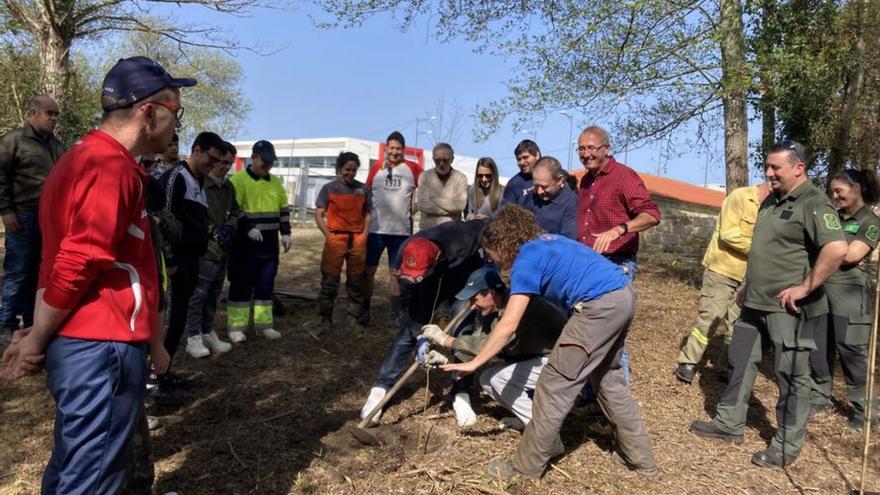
[435,358]
[435,334]
[224,234]
[255,235]
[286,242]
[422,350]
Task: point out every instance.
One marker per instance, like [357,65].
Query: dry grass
[273,418]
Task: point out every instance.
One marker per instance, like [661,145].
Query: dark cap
[482,279]
[265,150]
[418,259]
[133,79]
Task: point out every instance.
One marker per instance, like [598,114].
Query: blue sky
[368,81]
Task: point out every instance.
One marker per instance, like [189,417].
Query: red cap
[418,258]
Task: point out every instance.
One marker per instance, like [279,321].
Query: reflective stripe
[702,339]
[267,226]
[237,316]
[262,314]
[136,231]
[135,289]
[262,214]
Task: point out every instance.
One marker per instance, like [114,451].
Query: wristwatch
[624,227]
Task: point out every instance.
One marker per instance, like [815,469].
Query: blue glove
[224,234]
[422,344]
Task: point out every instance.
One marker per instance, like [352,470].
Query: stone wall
[683,233]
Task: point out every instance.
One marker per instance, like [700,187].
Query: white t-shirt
[392,188]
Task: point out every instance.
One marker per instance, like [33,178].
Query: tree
[676,63]
[55,25]
[216,103]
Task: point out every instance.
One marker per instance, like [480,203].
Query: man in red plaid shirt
[613,206]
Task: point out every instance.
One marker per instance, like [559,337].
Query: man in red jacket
[98,294]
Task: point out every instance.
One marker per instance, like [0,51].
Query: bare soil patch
[275,418]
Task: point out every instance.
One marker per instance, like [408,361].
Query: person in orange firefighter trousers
[253,263]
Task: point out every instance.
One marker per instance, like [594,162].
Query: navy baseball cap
[133,79]
[266,151]
[482,279]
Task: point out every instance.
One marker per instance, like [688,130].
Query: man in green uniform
[797,245]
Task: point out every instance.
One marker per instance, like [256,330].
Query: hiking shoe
[641,470]
[601,427]
[152,422]
[195,347]
[167,397]
[174,381]
[271,333]
[375,397]
[502,470]
[771,457]
[858,424]
[214,344]
[512,423]
[686,372]
[819,410]
[236,336]
[364,318]
[707,429]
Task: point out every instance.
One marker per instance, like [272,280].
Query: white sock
[464,414]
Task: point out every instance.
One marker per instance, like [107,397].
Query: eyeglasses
[176,109]
[442,160]
[590,148]
[794,147]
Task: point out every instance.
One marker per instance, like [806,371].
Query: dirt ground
[275,418]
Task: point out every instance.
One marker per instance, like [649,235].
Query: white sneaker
[237,336]
[464,414]
[376,396]
[152,422]
[271,333]
[195,347]
[214,344]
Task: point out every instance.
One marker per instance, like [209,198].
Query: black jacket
[185,199]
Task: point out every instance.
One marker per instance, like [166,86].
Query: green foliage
[216,103]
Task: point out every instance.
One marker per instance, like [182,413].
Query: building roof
[675,189]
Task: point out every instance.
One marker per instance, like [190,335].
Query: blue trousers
[98,388]
[21,266]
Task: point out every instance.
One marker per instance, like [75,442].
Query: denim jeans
[203,303]
[20,270]
[628,264]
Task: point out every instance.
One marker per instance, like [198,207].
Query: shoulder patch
[872,233]
[548,237]
[831,221]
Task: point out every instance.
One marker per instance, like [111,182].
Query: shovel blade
[365,437]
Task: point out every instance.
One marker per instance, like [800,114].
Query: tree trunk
[734,82]
[55,59]
[852,91]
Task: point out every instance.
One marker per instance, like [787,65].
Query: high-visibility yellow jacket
[264,206]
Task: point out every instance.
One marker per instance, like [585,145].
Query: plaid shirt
[613,196]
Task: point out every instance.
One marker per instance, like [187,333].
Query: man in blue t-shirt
[527,154]
[602,305]
[550,200]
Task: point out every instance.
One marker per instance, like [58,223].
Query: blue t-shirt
[563,271]
[518,186]
[558,216]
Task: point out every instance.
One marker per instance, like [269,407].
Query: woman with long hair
[484,195]
[601,303]
[849,298]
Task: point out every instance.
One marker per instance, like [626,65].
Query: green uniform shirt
[536,335]
[789,233]
[863,226]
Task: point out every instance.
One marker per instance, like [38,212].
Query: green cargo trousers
[588,349]
[717,308]
[848,332]
[792,339]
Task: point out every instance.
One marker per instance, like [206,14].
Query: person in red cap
[434,265]
[98,290]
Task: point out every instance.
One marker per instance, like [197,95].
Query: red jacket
[97,254]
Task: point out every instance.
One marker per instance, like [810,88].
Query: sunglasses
[484,176]
[794,147]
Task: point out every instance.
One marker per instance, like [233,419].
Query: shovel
[360,431]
